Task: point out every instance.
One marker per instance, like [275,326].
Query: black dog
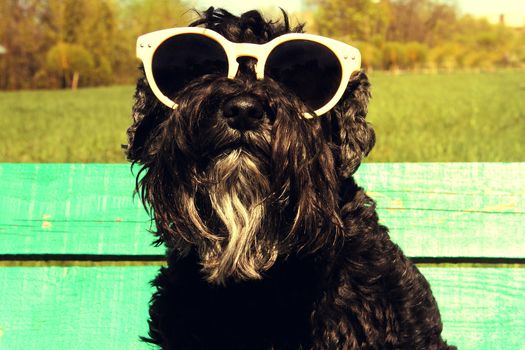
[271,244]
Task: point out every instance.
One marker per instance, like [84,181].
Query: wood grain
[432,210]
[74,307]
[106,307]
[465,210]
[451,209]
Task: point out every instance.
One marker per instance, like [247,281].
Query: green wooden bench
[75,258]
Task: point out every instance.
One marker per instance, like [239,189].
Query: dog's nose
[243,112]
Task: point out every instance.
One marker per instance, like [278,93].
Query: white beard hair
[237,194]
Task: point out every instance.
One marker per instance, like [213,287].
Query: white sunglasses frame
[348,56]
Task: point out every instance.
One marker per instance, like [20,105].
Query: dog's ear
[147,113]
[355,137]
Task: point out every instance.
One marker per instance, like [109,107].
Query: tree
[24,42]
[409,33]
[69,61]
[102,33]
[350,20]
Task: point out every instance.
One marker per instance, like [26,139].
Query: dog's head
[235,171]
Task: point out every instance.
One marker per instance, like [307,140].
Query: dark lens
[183,58]
[306,68]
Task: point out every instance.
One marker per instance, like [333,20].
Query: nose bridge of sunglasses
[246,68]
[247,57]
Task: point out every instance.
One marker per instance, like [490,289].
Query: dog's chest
[274,311]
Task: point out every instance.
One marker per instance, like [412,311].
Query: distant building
[2,50]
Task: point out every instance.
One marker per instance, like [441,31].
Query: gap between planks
[88,260]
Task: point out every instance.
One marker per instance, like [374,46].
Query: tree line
[70,43]
[419,34]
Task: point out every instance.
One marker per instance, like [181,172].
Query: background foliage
[419,34]
[48,42]
[69,43]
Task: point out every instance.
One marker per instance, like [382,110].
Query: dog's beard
[238,192]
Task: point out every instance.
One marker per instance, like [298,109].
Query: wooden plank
[71,209]
[451,209]
[481,308]
[432,209]
[74,307]
[106,307]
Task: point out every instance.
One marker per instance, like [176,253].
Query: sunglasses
[314,68]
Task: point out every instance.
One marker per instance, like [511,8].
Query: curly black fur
[314,269]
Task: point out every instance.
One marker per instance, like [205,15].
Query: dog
[247,133]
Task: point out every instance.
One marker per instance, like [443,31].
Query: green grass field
[417,117]
[449,117]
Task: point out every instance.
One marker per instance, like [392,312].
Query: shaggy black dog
[271,244]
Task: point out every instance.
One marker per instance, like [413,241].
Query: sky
[514,10]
